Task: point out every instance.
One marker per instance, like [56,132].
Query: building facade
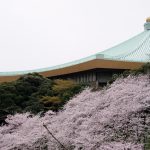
[100,67]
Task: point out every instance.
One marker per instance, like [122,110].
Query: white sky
[43,33]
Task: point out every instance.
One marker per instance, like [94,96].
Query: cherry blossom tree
[109,119]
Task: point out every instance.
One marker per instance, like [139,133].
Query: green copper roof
[92,57]
[136,49]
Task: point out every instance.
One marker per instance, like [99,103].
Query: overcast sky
[43,33]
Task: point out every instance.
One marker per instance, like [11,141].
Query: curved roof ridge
[125,46]
[135,52]
[9,73]
[109,54]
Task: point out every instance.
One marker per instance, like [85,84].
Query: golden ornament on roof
[148,19]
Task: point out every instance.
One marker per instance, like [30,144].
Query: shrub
[35,93]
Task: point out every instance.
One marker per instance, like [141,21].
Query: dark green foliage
[34,93]
[59,93]
[145,69]
[147,144]
[46,88]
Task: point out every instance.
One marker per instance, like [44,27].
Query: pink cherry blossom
[115,118]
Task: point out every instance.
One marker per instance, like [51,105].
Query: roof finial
[147,24]
[148,19]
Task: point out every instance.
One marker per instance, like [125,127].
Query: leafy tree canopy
[35,93]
